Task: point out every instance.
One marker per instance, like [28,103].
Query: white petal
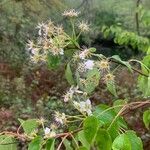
[89,64]
[47,130]
[88,102]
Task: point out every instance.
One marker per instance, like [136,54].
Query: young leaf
[7,143]
[92,49]
[92,80]
[101,141]
[35,144]
[29,125]
[146,118]
[121,142]
[69,75]
[90,127]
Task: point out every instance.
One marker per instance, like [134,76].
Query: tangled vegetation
[88,125]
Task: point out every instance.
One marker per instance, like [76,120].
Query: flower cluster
[84,107]
[60,118]
[52,40]
[84,26]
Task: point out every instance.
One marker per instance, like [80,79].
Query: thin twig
[9,143]
[59,146]
[132,107]
[127,108]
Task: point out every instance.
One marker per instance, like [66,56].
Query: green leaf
[101,141]
[148,51]
[7,143]
[67,144]
[104,116]
[69,75]
[50,143]
[121,142]
[92,80]
[146,62]
[144,85]
[146,118]
[29,125]
[144,82]
[76,43]
[35,144]
[135,141]
[118,104]
[90,127]
[82,139]
[114,131]
[82,148]
[53,61]
[111,88]
[69,52]
[116,57]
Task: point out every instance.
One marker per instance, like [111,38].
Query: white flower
[69,95]
[76,104]
[84,27]
[57,51]
[75,90]
[88,107]
[84,106]
[43,29]
[61,52]
[52,134]
[35,51]
[47,131]
[71,13]
[60,118]
[89,64]
[30,44]
[84,54]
